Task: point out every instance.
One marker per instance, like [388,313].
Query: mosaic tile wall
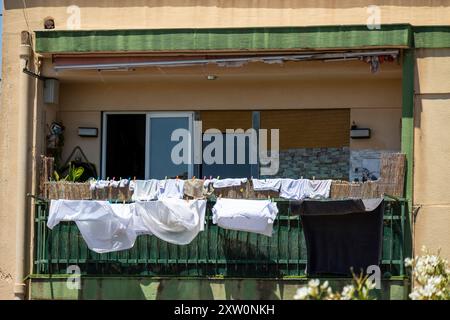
[321,163]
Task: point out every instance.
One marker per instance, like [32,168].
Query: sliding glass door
[162,162]
[140,145]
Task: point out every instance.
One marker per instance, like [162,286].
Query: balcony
[216,252]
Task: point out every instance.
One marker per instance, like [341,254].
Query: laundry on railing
[267,184]
[172,220]
[256,216]
[110,227]
[342,235]
[101,227]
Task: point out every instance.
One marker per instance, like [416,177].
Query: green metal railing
[215,252]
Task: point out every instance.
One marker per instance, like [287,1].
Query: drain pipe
[22,167]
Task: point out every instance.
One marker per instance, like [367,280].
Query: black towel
[341,235]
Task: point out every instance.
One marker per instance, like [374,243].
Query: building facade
[309,68]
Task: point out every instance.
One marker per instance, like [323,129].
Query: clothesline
[147,190]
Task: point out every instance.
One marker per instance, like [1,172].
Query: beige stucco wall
[432,150]
[109,14]
[90,99]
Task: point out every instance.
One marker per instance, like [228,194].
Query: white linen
[266,184]
[101,227]
[255,216]
[226,183]
[171,188]
[176,221]
[319,189]
[294,189]
[145,190]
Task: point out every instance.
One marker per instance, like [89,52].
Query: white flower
[314,283]
[347,292]
[324,285]
[301,294]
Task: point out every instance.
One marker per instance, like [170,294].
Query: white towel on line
[266,184]
[145,190]
[171,188]
[319,189]
[294,189]
[226,183]
[256,216]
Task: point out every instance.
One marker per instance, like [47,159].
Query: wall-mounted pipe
[22,168]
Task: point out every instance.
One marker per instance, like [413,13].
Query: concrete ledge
[148,288]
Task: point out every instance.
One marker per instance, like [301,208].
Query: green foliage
[73,176]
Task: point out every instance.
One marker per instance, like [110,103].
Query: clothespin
[177,177]
[134,179]
[204,178]
[114,178]
[218,178]
[210,177]
[107,178]
[314,178]
[193,178]
[165,178]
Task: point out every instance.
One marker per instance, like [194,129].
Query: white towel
[256,216]
[176,221]
[145,190]
[319,189]
[266,184]
[171,188]
[102,229]
[226,183]
[294,189]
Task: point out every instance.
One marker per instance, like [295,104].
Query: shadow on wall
[292,4]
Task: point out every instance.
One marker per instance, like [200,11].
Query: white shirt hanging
[102,229]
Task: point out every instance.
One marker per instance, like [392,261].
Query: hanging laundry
[123,183]
[101,227]
[176,221]
[256,216]
[193,188]
[294,189]
[342,234]
[209,182]
[145,190]
[226,183]
[319,189]
[171,188]
[266,184]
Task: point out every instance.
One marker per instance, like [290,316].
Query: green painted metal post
[408,139]
[408,119]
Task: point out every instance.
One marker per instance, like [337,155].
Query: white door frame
[149,115]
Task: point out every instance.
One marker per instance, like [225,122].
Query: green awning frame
[224,39]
